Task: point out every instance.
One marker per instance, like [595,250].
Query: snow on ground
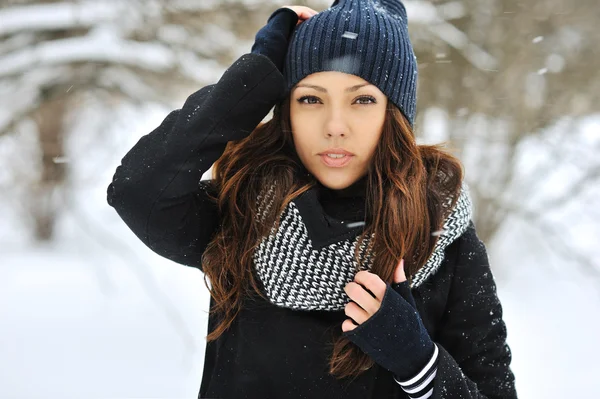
[98,315]
[550,309]
[64,334]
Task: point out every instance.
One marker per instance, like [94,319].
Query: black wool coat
[279,351]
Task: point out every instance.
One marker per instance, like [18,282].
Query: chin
[335,182]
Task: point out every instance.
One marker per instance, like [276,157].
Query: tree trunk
[45,200]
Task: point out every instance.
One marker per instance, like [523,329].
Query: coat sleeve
[474,358]
[157,189]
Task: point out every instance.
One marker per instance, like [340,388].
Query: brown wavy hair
[410,191]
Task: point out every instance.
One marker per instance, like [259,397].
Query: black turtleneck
[346,204]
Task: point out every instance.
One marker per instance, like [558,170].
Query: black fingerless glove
[395,337]
[273,39]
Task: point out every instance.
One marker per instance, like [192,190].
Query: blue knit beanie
[366,38]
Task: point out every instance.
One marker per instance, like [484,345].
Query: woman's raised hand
[273,39]
[303,12]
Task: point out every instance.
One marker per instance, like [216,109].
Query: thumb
[401,286]
[399,275]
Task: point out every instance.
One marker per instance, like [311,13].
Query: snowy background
[91,312]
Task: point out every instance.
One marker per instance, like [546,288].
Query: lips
[338,150]
[336,162]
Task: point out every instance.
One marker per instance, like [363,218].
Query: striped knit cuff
[421,385]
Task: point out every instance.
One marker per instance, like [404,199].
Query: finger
[356,313]
[371,282]
[301,16]
[399,274]
[362,298]
[303,12]
[348,325]
[307,12]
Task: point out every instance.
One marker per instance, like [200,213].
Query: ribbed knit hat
[366,38]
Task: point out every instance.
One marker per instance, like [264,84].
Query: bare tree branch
[57,16]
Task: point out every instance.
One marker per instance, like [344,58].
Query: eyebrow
[324,90]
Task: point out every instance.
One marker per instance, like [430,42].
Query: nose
[336,124]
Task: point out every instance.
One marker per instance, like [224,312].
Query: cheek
[303,131]
[371,129]
[302,144]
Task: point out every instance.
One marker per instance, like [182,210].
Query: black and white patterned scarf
[295,275]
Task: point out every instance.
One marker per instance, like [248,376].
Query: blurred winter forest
[512,86]
[502,74]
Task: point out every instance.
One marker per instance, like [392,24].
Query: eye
[309,100]
[366,100]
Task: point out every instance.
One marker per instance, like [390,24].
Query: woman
[342,259]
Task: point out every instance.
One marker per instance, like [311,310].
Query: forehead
[332,77]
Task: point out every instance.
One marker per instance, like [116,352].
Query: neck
[356,189]
[344,204]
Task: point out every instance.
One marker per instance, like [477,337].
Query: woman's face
[332,111]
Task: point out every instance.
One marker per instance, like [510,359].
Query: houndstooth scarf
[298,276]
